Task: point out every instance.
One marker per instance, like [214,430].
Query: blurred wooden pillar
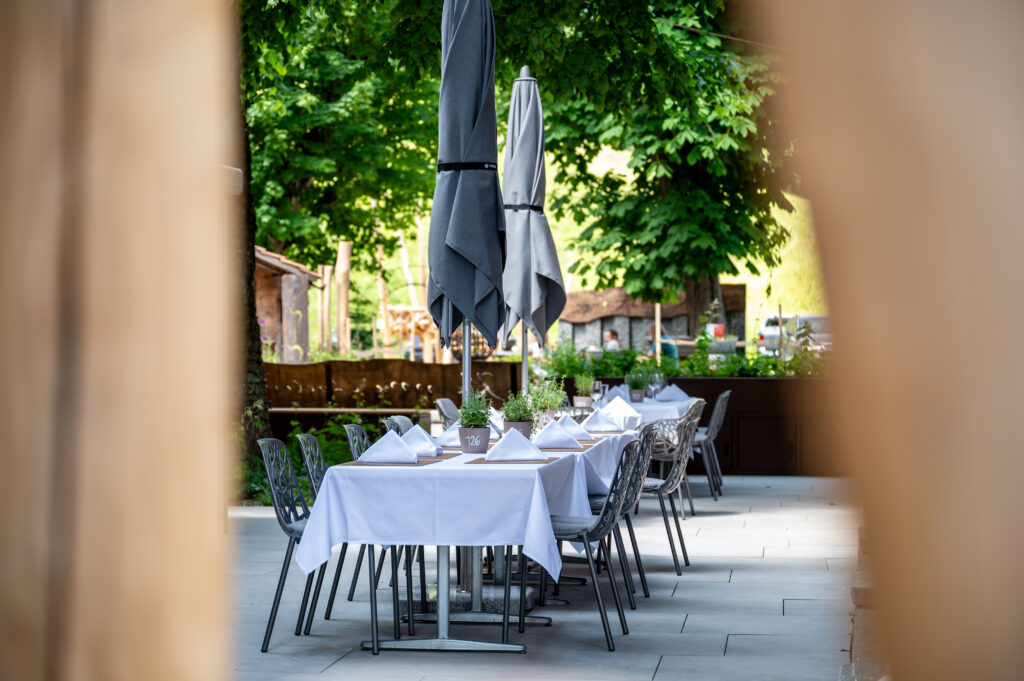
[343,274]
[911,145]
[115,277]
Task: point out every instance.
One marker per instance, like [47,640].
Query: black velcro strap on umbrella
[523,206]
[468,165]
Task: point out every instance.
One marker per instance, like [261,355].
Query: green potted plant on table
[518,413]
[584,386]
[546,397]
[474,423]
[637,382]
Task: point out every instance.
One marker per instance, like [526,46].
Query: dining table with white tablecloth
[459,501]
[654,410]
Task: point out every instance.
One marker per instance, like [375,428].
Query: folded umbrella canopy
[467,225]
[532,278]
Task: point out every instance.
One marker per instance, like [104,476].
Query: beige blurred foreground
[116,281]
[912,148]
[117,277]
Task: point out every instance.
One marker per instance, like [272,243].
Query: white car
[768,335]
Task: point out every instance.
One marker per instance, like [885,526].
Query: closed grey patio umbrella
[532,278]
[467,225]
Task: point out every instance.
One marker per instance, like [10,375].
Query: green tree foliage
[342,141]
[689,107]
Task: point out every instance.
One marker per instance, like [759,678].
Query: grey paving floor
[767,596]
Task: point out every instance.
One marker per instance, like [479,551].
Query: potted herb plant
[474,423]
[584,386]
[518,413]
[637,383]
[546,397]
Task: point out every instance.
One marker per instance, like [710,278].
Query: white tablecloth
[653,410]
[458,504]
[446,503]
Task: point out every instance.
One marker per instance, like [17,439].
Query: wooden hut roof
[279,263]
[582,307]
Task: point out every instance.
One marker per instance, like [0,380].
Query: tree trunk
[700,294]
[343,273]
[255,405]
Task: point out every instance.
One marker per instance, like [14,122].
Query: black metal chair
[448,411]
[645,444]
[705,443]
[292,513]
[597,529]
[391,426]
[404,423]
[358,440]
[669,485]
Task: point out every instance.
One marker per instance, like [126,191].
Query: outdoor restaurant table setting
[671,393]
[576,430]
[420,441]
[600,422]
[622,413]
[513,446]
[555,436]
[389,449]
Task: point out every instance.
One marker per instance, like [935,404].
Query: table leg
[443,641]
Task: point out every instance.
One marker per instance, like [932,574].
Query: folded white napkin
[671,393]
[420,441]
[554,436]
[496,418]
[389,449]
[513,446]
[496,429]
[450,437]
[599,422]
[618,391]
[576,430]
[625,416]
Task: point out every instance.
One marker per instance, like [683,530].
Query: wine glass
[595,393]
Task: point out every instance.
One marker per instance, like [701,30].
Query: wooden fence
[382,383]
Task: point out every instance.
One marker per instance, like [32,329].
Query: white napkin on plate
[576,430]
[420,441]
[389,449]
[625,416]
[671,393]
[513,446]
[599,422]
[450,437]
[554,436]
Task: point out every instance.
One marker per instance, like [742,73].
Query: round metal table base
[452,644]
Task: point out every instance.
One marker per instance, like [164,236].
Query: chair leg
[668,530]
[689,494]
[627,574]
[706,460]
[380,566]
[334,584]
[374,635]
[423,580]
[277,594]
[679,529]
[597,593]
[636,557]
[522,590]
[615,591]
[395,616]
[355,575]
[408,588]
[316,597]
[718,465]
[302,608]
[508,594]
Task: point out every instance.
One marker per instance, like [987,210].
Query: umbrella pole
[467,360]
[524,386]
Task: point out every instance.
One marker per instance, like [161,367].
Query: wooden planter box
[773,426]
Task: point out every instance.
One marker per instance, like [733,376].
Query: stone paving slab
[771,545]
